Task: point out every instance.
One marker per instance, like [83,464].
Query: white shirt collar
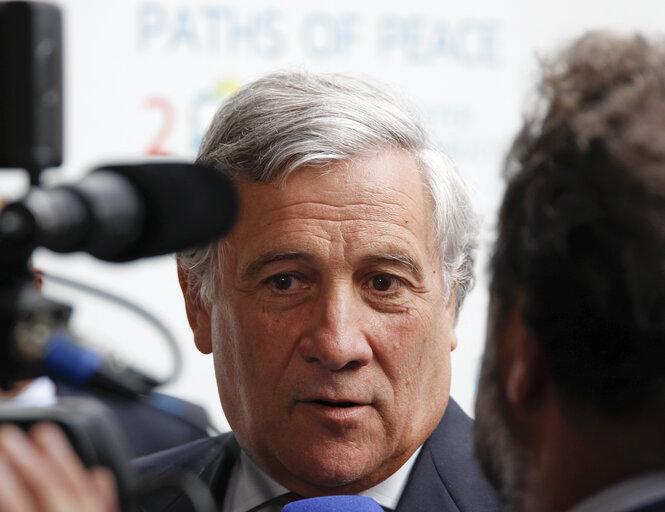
[626,495]
[388,492]
[249,486]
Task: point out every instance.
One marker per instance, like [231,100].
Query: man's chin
[334,470]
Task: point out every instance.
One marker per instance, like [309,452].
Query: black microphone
[342,503]
[124,212]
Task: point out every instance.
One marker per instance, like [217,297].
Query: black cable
[158,324]
[170,339]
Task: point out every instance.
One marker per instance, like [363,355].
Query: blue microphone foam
[334,504]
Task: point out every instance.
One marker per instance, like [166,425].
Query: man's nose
[336,337]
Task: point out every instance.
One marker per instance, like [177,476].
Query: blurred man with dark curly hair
[571,404]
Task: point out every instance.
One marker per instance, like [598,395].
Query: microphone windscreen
[342,503]
[186,205]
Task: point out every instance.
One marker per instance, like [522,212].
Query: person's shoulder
[449,449]
[192,456]
[455,428]
[162,477]
[152,423]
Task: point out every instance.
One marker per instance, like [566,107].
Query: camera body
[31,86]
[31,122]
[90,428]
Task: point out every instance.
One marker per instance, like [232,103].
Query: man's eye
[283,282]
[384,282]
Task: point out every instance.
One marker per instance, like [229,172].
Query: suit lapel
[446,476]
[210,460]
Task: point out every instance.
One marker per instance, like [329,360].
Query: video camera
[116,213]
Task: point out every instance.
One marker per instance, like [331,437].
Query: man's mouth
[335,404]
[335,411]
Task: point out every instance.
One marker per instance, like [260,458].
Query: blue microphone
[64,359]
[340,503]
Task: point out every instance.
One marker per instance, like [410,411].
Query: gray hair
[289,120]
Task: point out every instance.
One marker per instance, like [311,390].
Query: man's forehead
[379,200]
[366,219]
[317,239]
[387,179]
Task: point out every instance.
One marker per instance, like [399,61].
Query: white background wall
[143,77]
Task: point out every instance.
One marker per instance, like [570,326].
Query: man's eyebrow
[254,267]
[396,257]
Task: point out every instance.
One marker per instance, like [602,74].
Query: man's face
[330,334]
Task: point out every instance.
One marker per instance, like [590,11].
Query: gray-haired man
[330,307]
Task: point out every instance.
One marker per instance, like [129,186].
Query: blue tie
[281,500]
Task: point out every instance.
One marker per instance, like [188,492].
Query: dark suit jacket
[444,478]
[657,506]
[149,425]
[654,507]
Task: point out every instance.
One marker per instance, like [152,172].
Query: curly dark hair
[581,243]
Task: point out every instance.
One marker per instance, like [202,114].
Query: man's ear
[198,313]
[451,309]
[524,369]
